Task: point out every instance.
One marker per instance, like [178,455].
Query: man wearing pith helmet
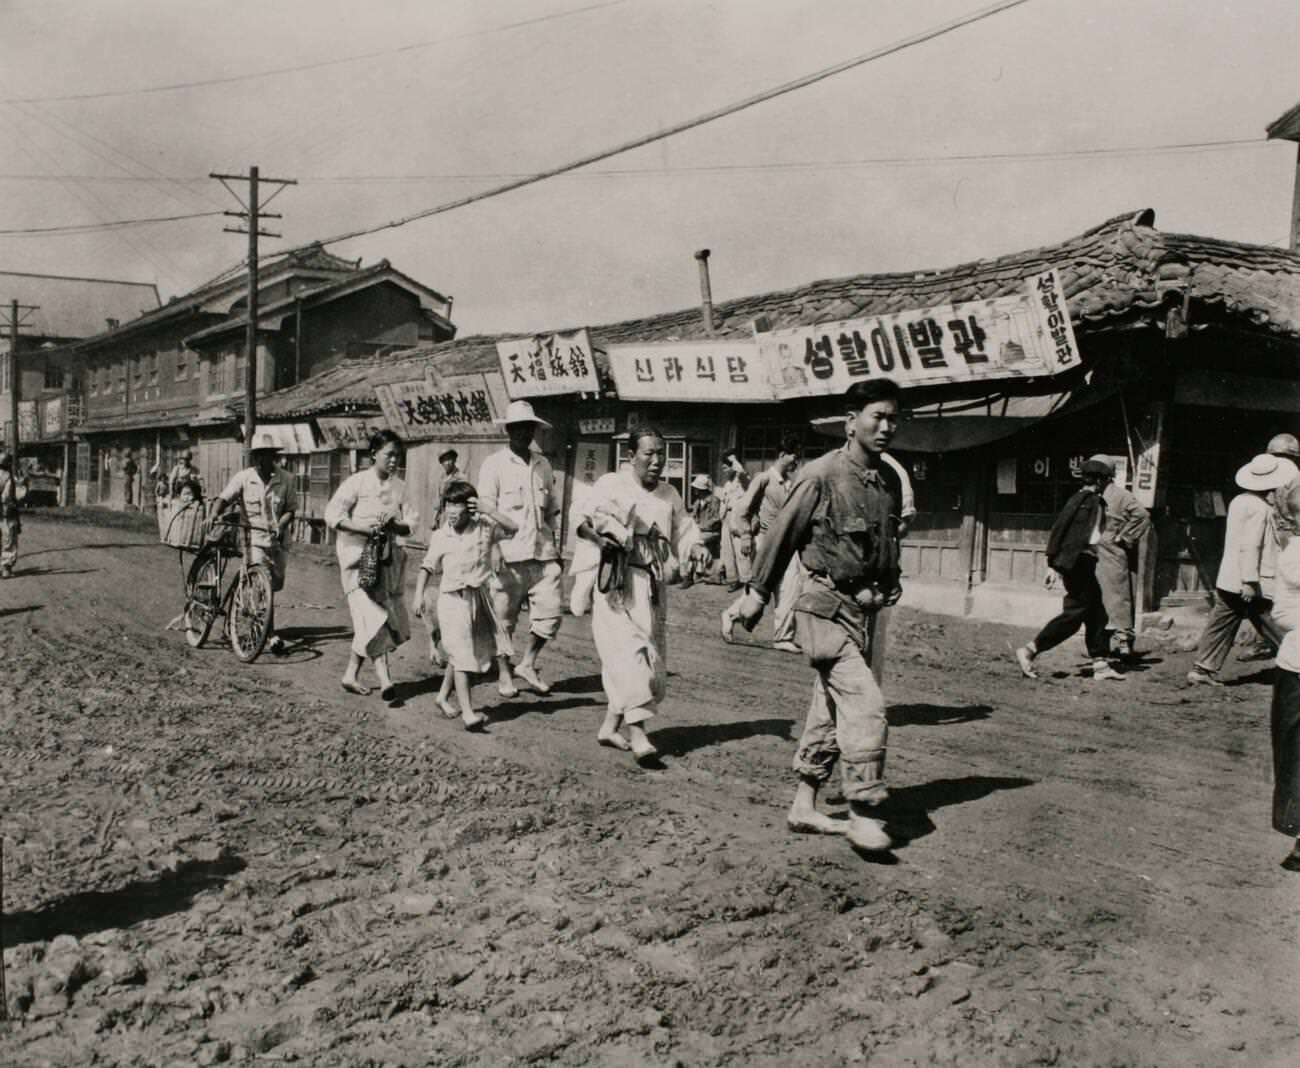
[519,483]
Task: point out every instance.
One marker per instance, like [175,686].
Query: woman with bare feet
[370,506]
[643,530]
[461,550]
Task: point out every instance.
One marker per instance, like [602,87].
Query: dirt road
[207,862]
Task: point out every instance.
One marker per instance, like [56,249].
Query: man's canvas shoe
[1203,678]
[1103,670]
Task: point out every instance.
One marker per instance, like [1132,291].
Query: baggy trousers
[1286,752]
[846,719]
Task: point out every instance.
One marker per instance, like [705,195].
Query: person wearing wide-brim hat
[1125,523]
[1284,445]
[1072,554]
[519,483]
[1243,587]
[269,501]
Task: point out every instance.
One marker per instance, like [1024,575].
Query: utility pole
[253,213]
[17,317]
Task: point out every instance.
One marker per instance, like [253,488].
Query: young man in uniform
[841,521]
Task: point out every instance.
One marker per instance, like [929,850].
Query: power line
[90,228]
[682,127]
[318,65]
[718,168]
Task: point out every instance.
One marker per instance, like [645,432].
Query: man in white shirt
[520,484]
[269,502]
[1243,586]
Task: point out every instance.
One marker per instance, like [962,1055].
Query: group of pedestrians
[825,558]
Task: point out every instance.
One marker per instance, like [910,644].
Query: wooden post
[1295,204]
[14,384]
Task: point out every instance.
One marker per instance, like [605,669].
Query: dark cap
[448,454]
[1097,469]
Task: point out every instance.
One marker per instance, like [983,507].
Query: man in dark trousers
[1072,554]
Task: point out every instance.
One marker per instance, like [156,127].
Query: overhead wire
[316,65]
[689,124]
[96,227]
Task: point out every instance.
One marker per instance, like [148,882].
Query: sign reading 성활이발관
[548,364]
[1023,335]
[451,407]
[723,370]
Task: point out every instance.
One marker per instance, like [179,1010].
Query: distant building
[51,398]
[174,377]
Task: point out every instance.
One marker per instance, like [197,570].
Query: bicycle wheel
[202,597]
[250,612]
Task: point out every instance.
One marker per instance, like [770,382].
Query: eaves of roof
[1119,273]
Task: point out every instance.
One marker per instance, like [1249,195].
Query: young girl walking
[461,549]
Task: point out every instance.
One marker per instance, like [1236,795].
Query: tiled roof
[75,307]
[327,290]
[313,258]
[1118,273]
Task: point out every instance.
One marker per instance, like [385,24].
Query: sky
[466,92]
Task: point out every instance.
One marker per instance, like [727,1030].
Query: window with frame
[121,375]
[53,375]
[137,369]
[182,365]
[153,368]
[758,446]
[239,367]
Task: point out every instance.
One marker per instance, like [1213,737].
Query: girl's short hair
[459,493]
[192,484]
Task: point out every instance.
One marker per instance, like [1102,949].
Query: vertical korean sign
[1020,335]
[548,364]
[590,461]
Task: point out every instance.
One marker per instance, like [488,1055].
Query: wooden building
[1188,353]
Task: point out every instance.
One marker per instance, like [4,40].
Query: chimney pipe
[706,293]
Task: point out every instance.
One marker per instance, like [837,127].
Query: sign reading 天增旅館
[461,407]
[713,370]
[548,364]
[1022,335]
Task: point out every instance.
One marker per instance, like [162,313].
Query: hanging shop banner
[690,371]
[52,417]
[338,432]
[27,421]
[445,407]
[548,364]
[1023,335]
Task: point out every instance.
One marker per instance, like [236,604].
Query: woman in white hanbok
[637,533]
[371,504]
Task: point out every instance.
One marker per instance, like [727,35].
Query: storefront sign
[1147,433]
[340,433]
[690,371]
[548,364]
[1024,335]
[52,417]
[451,407]
[27,421]
[595,427]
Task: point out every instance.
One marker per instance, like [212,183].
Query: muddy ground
[209,862]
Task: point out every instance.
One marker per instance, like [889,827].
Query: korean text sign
[690,371]
[453,408]
[548,364]
[1023,335]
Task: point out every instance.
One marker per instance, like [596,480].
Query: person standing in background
[1126,522]
[763,502]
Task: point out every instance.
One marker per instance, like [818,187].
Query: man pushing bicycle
[269,501]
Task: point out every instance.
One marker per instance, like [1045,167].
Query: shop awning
[945,426]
